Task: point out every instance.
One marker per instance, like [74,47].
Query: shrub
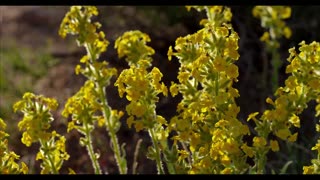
[205,136]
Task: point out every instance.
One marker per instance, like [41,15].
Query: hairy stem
[156,147]
[93,157]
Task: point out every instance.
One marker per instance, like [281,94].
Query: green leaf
[285,167]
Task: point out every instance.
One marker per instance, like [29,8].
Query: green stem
[276,63]
[261,156]
[110,128]
[171,168]
[93,157]
[264,82]
[107,115]
[186,149]
[156,147]
[216,83]
[261,162]
[170,164]
[135,157]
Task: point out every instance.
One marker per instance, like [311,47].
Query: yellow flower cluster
[207,124]
[82,107]
[78,22]
[37,117]
[272,18]
[52,153]
[132,45]
[35,125]
[141,87]
[8,164]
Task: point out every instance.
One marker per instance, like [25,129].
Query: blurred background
[33,57]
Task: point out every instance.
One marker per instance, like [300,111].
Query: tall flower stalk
[272,18]
[142,89]
[282,120]
[85,106]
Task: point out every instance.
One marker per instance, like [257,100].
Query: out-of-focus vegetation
[20,69]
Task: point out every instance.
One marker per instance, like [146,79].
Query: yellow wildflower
[183,77]
[293,137]
[287,32]
[316,147]
[130,121]
[170,53]
[308,169]
[248,150]
[259,141]
[283,133]
[138,125]
[232,71]
[314,84]
[274,145]
[252,116]
[174,90]
[226,171]
[294,119]
[183,154]
[225,160]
